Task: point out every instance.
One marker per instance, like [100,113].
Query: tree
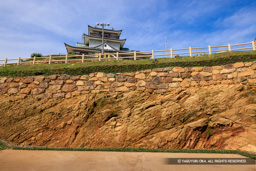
[36,55]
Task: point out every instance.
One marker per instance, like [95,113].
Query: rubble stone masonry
[158,80]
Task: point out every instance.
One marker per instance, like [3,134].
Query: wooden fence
[68,58]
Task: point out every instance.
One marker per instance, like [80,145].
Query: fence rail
[135,55]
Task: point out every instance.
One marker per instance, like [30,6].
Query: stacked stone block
[158,80]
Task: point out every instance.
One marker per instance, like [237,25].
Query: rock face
[218,116]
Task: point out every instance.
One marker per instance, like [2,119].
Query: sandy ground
[83,160]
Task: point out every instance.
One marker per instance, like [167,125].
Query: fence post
[171,52]
[83,58]
[50,58]
[18,61]
[229,47]
[5,62]
[100,57]
[153,54]
[34,59]
[210,49]
[117,56]
[253,45]
[66,60]
[134,55]
[190,51]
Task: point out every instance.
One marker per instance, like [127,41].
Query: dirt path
[84,160]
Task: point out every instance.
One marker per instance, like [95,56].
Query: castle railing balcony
[105,36]
[95,35]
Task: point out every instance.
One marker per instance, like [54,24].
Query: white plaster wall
[107,47]
[94,43]
[115,45]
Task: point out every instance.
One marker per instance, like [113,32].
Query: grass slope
[3,146]
[253,156]
[127,65]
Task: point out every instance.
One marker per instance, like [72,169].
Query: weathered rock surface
[213,117]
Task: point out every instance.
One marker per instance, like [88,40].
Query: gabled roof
[87,38]
[87,49]
[100,45]
[90,28]
[81,45]
[95,50]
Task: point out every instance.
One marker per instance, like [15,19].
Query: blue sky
[29,26]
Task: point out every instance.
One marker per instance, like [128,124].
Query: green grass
[253,156]
[127,65]
[131,62]
[56,57]
[3,146]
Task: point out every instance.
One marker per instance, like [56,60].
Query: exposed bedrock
[218,116]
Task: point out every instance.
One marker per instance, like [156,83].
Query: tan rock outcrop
[122,89]
[216,116]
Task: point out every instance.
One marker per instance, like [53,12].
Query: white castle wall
[94,43]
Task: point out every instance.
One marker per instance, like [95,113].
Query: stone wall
[159,80]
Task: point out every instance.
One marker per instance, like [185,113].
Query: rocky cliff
[218,116]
